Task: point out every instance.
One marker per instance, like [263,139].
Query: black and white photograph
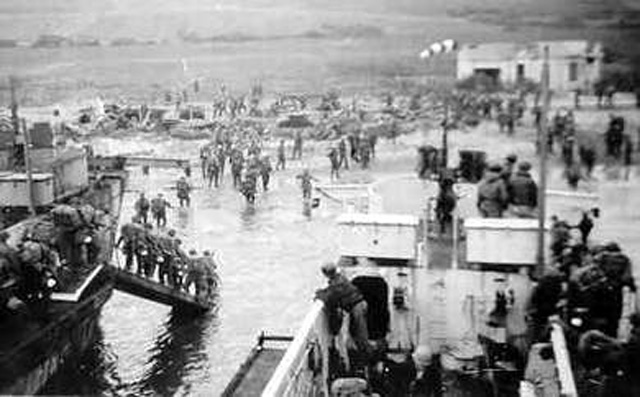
[320,198]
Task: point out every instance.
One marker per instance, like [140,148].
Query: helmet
[329,269]
[524,166]
[495,167]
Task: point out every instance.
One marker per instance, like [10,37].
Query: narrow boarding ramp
[256,371]
[156,162]
[146,289]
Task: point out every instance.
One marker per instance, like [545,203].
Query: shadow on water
[178,351]
[88,374]
[183,218]
[248,216]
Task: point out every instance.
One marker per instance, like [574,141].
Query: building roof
[509,51]
[490,51]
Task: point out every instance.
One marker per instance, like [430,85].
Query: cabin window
[376,292]
[573,71]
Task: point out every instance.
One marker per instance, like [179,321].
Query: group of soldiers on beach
[357,147]
[158,256]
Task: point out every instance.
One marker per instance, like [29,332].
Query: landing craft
[462,296]
[61,219]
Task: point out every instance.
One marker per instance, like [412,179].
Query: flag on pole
[440,47]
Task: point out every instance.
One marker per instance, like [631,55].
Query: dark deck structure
[142,287]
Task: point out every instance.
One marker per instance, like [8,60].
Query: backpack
[66,216]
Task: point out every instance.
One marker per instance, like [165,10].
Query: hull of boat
[30,365]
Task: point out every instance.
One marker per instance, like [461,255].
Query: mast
[445,138]
[542,135]
[27,163]
[21,125]
[15,120]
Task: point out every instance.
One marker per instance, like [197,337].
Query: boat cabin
[411,304]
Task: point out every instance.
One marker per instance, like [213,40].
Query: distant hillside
[290,45]
[616,22]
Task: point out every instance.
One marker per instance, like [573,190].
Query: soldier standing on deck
[297,145]
[282,160]
[237,163]
[204,154]
[492,193]
[184,190]
[127,243]
[354,143]
[305,183]
[265,172]
[335,163]
[211,276]
[614,136]
[159,210]
[142,208]
[373,140]
[523,192]
[213,170]
[508,168]
[365,153]
[222,159]
[341,294]
[342,153]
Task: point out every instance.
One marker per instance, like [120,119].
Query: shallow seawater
[271,255]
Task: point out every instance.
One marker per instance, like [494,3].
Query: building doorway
[489,73]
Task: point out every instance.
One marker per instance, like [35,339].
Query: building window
[573,71]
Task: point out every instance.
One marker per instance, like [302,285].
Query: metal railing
[293,376]
[563,362]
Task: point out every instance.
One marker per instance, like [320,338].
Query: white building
[572,64]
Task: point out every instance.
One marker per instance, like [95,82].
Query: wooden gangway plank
[156,162]
[144,288]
